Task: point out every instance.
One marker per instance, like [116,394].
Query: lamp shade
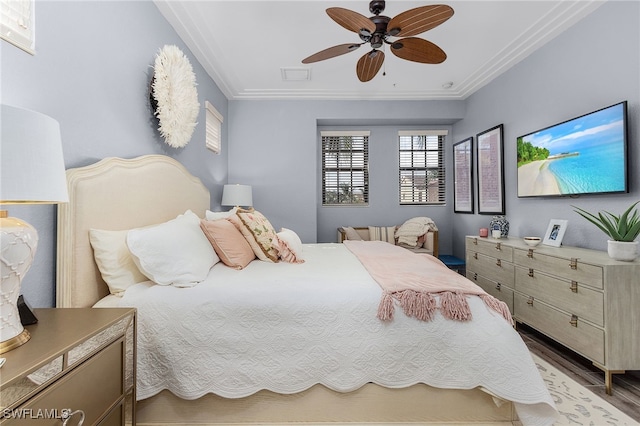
[237,195]
[31,162]
[31,171]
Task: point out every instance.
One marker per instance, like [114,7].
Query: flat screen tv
[584,155]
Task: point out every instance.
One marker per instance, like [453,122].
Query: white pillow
[173,253]
[114,260]
[209,215]
[289,246]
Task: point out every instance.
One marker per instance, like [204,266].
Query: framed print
[463,176]
[555,232]
[490,171]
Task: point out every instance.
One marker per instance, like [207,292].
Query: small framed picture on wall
[490,171]
[463,176]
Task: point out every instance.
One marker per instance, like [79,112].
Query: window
[422,166]
[213,128]
[16,23]
[345,168]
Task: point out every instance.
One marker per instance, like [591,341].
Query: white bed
[330,361]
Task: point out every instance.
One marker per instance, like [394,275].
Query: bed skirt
[371,404]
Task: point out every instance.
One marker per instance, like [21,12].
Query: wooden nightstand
[77,359]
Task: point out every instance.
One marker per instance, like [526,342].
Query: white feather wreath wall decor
[174,96]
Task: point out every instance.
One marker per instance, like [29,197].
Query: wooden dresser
[581,298]
[79,361]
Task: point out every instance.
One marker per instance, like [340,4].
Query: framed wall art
[490,171]
[463,176]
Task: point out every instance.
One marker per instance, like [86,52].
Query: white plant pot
[621,250]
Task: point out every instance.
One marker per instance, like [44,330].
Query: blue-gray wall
[91,72]
[92,69]
[274,146]
[594,64]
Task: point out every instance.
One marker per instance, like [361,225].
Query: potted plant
[622,229]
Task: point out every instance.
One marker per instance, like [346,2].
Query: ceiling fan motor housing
[379,35]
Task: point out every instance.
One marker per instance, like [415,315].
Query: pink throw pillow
[228,242]
[289,246]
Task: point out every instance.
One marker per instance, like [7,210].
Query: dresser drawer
[572,297]
[583,338]
[116,417]
[560,266]
[493,248]
[497,290]
[497,270]
[91,387]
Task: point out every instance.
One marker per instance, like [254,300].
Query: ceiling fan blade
[418,50]
[369,65]
[353,21]
[419,20]
[331,52]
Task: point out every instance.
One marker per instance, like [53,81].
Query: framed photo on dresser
[555,232]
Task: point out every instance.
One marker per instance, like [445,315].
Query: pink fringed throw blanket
[414,279]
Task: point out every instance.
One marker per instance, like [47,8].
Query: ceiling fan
[378,29]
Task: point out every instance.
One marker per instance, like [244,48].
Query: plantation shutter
[17,23]
[422,172]
[345,167]
[213,128]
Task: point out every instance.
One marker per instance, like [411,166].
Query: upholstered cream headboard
[116,194]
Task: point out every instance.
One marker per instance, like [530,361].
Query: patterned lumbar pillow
[382,233]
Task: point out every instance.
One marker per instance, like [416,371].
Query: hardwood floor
[626,387]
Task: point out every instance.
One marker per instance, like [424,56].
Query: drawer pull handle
[67,414]
[475,241]
[574,286]
[530,272]
[475,276]
[498,287]
[498,262]
[574,320]
[499,246]
[574,263]
[475,256]
[530,254]
[530,301]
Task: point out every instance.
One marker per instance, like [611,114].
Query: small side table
[452,262]
[79,362]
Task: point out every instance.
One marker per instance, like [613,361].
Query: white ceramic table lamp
[31,172]
[237,195]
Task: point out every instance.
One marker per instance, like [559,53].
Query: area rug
[576,404]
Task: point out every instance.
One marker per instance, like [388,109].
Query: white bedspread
[286,327]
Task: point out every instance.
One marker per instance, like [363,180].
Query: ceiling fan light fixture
[376,41]
[394,32]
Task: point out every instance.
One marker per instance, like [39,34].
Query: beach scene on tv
[579,156]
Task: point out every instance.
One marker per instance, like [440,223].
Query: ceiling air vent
[295,74]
